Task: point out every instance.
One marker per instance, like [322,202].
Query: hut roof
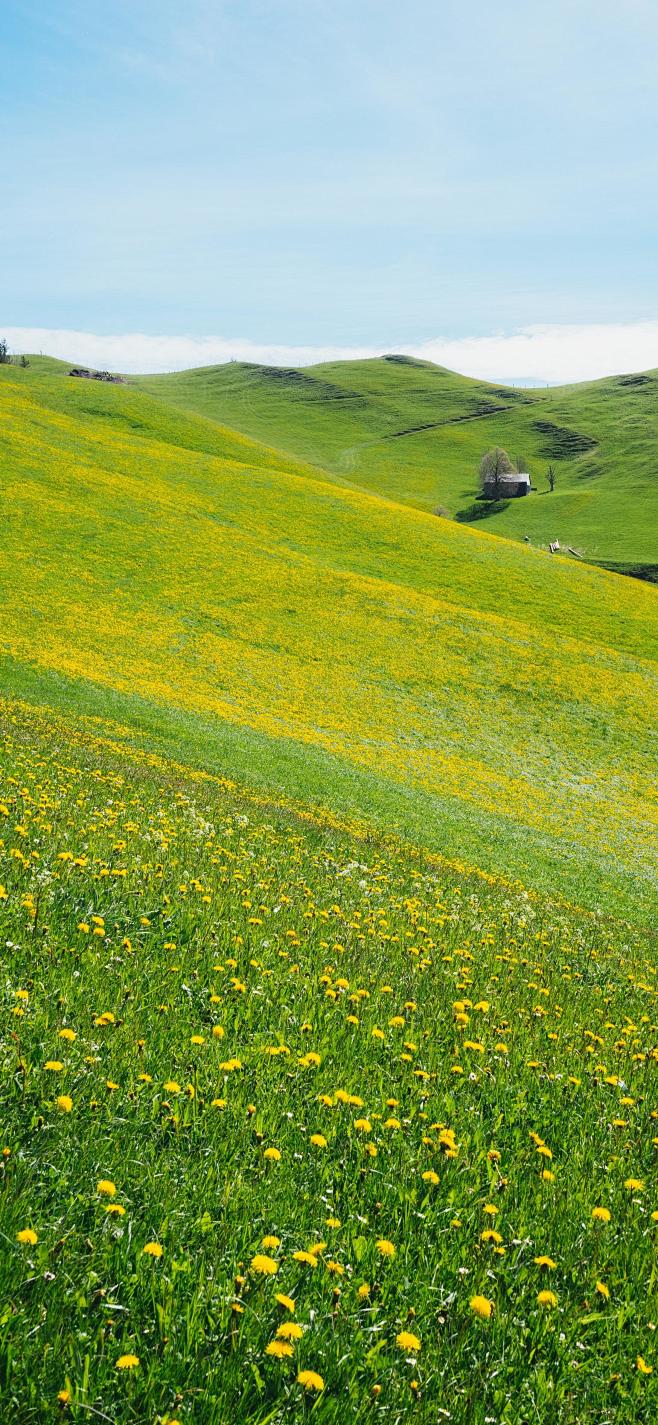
[510,477]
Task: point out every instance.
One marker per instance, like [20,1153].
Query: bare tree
[4,353]
[550,476]
[493,465]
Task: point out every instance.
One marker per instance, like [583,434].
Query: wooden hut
[506,487]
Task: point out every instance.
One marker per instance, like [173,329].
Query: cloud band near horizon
[556,354]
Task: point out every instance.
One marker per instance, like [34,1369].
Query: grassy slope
[193,981]
[486,699]
[347,417]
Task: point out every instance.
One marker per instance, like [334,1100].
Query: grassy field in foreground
[300,1124]
[387,662]
[415,433]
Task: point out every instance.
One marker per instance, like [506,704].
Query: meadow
[329,1034]
[300,1122]
[488,700]
[415,433]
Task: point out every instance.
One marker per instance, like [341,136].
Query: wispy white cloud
[552,353]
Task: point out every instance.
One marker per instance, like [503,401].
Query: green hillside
[238,608]
[415,433]
[299,1123]
[328,1042]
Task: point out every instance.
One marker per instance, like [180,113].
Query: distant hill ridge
[403,428]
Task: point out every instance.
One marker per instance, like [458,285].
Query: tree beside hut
[501,478]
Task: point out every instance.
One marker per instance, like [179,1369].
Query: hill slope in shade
[485,698]
[415,432]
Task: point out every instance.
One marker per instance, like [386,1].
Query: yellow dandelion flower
[385,1248]
[106,1188]
[601,1214]
[280,1349]
[634,1185]
[27,1236]
[264,1266]
[642,1366]
[547,1299]
[407,1341]
[116,1209]
[54,1066]
[270,1243]
[481,1306]
[286,1302]
[310,1380]
[272,1154]
[430,1177]
[290,1331]
[153,1249]
[364,1291]
[127,1363]
[603,1290]
[544,1262]
[318,1140]
[64,1103]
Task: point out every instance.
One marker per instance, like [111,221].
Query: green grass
[327,885]
[347,417]
[194,976]
[478,696]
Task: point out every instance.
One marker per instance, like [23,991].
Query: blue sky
[328,173]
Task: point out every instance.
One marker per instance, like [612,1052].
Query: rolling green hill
[236,607]
[415,433]
[328,837]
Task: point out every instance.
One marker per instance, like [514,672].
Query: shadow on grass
[481,510]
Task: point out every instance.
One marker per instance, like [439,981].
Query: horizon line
[544,355]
